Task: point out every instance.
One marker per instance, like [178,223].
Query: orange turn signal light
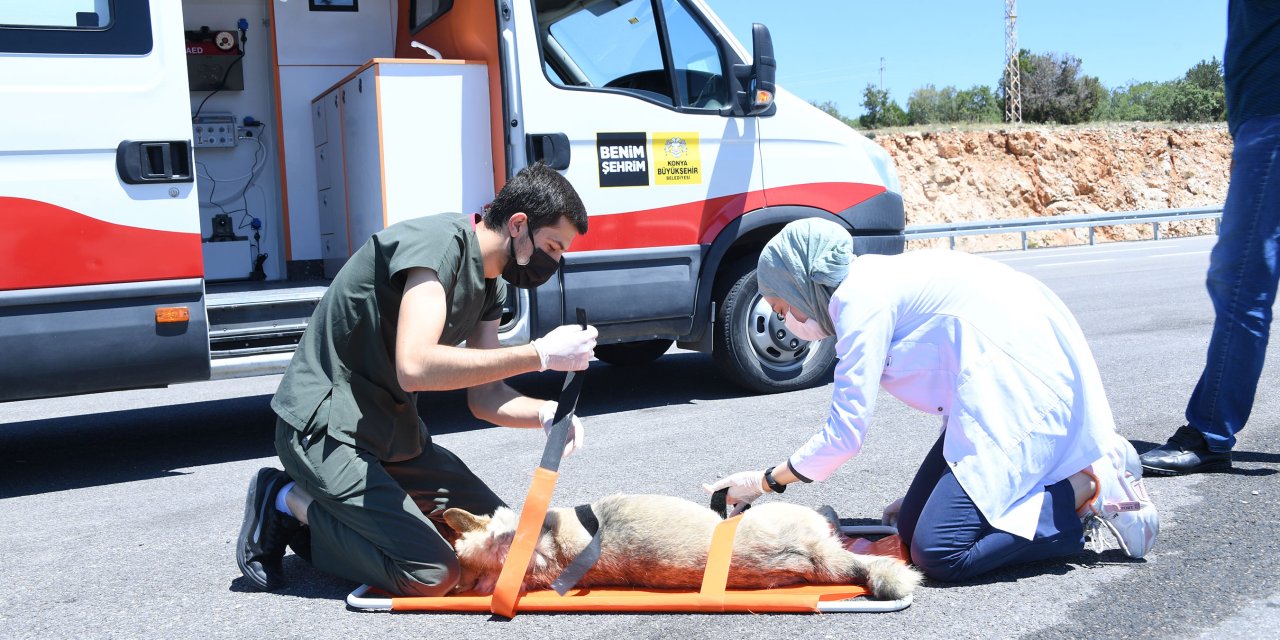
[172,314]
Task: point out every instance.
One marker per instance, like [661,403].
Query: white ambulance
[178,178]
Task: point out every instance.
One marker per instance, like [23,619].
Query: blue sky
[831,49]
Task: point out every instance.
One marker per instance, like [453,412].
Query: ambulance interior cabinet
[400,139]
[332,200]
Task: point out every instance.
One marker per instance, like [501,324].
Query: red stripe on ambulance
[50,246]
[700,222]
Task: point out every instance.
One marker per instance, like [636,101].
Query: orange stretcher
[712,597]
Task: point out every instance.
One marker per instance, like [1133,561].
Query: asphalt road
[118,512]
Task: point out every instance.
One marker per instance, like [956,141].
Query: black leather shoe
[1185,452]
[265,532]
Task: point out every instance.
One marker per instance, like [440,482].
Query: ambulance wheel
[632,353]
[754,348]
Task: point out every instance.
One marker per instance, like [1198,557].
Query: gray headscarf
[804,264]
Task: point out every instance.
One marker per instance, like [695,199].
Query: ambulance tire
[625,354]
[753,348]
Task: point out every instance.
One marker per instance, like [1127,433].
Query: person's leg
[931,469]
[438,480]
[954,542]
[363,525]
[1241,281]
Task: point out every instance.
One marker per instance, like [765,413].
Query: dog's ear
[462,521]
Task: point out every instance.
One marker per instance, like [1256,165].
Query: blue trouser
[951,541]
[1242,285]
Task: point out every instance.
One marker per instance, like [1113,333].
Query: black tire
[753,347]
[632,353]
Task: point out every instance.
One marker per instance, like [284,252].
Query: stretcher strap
[562,423]
[534,512]
[566,405]
[507,590]
[586,558]
[716,575]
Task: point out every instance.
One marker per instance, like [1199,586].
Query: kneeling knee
[940,565]
[427,579]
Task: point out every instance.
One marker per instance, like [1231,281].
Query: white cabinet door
[319,121]
[362,156]
[415,142]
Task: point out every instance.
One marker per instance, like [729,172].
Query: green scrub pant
[379,522]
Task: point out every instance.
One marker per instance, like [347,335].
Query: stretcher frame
[712,597]
[791,599]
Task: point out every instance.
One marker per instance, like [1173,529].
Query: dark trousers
[379,522]
[951,541]
[1244,269]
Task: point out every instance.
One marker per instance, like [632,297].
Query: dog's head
[482,545]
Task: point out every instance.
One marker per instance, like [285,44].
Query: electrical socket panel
[214,130]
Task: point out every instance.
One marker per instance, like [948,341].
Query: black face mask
[539,269]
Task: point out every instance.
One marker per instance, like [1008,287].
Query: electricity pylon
[1012,71]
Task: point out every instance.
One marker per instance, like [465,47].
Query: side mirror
[763,70]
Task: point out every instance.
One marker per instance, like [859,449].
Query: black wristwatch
[774,485]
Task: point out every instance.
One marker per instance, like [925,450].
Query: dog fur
[662,542]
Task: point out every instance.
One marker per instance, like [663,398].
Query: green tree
[881,111]
[1204,96]
[1054,89]
[1137,101]
[978,103]
[1192,103]
[1199,96]
[930,105]
[1207,75]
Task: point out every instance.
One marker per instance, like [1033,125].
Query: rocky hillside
[951,175]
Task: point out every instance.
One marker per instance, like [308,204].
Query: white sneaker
[1121,503]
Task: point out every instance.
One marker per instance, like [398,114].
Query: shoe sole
[251,523]
[1206,468]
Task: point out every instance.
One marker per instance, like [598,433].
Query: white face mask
[808,330]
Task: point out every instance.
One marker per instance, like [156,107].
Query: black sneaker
[265,532]
[1185,452]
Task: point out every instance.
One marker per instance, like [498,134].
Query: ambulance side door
[99,222]
[630,100]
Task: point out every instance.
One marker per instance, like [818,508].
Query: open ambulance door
[631,99]
[100,264]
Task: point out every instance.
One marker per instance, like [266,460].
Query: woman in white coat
[1028,455]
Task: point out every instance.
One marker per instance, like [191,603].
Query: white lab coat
[989,349]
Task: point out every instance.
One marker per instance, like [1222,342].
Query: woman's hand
[890,515]
[744,487]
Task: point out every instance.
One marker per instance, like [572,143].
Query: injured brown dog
[662,542]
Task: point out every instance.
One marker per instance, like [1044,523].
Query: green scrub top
[343,376]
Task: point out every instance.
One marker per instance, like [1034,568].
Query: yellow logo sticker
[675,158]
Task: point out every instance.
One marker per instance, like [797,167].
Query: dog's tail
[887,578]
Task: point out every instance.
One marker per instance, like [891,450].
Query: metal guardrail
[1047,223]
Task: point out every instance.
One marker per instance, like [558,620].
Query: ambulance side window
[76,26]
[699,69]
[611,44]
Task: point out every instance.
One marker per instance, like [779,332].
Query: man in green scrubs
[364,486]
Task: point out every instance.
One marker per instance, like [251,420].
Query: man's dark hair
[542,194]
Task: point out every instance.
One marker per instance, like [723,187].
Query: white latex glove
[744,487]
[567,348]
[547,414]
[890,515]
